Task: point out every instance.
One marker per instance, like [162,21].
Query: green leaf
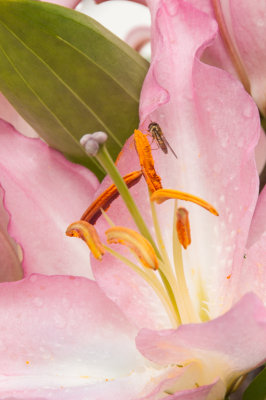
[257,389]
[67,76]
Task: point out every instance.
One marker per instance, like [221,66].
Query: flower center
[168,282]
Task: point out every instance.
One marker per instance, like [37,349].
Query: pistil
[170,285]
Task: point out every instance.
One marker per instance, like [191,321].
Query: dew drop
[260,23]
[2,346]
[247,111]
[38,301]
[33,278]
[172,8]
[59,321]
[222,198]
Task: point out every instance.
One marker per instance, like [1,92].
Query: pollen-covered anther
[105,199]
[146,161]
[165,194]
[183,227]
[136,242]
[92,141]
[88,233]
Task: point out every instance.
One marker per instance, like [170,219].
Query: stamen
[165,194]
[91,142]
[183,227]
[105,199]
[88,233]
[146,161]
[105,160]
[136,242]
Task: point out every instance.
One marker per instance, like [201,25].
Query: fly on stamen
[159,137]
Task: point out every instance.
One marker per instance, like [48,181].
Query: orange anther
[146,161]
[136,242]
[88,233]
[183,227]
[165,194]
[105,199]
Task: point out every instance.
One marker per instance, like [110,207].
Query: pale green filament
[106,161]
[165,267]
[153,282]
[107,218]
[185,306]
[171,290]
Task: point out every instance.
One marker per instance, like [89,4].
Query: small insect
[157,134]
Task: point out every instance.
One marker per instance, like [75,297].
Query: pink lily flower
[65,336]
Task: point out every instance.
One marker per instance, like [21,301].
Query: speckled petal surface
[73,342]
[213,126]
[43,194]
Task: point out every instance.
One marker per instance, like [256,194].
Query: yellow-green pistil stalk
[155,267]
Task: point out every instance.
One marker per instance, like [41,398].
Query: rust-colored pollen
[105,199]
[183,227]
[146,161]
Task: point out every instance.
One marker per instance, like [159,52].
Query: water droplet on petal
[33,278]
[2,346]
[60,321]
[247,111]
[38,301]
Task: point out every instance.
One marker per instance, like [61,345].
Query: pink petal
[258,226]
[227,346]
[211,392]
[135,1]
[213,126]
[138,37]
[260,152]
[253,272]
[248,25]
[9,114]
[61,338]
[44,193]
[10,264]
[183,383]
[65,3]
[245,22]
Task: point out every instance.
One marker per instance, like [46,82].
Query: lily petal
[253,271]
[39,186]
[9,114]
[182,383]
[65,3]
[72,341]
[225,346]
[258,226]
[245,21]
[213,126]
[9,259]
